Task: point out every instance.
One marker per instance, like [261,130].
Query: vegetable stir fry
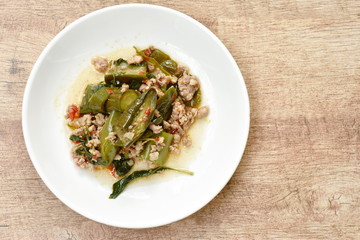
[140,112]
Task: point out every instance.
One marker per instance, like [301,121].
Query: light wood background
[300,175]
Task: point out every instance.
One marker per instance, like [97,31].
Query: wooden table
[300,175]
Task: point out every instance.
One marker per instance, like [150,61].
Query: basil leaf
[99,162]
[123,166]
[150,75]
[75,138]
[119,61]
[120,185]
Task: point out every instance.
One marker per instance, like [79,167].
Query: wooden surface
[300,175]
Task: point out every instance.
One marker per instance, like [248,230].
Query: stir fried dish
[139,113]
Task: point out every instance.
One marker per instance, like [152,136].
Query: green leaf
[76,138]
[120,185]
[119,61]
[123,166]
[99,162]
[150,75]
[135,85]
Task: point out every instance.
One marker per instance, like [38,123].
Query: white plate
[156,203]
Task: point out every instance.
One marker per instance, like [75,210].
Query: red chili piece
[112,169]
[148,111]
[73,112]
[147,52]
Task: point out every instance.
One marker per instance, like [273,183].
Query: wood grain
[300,175]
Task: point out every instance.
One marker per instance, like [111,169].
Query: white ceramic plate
[188,41]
